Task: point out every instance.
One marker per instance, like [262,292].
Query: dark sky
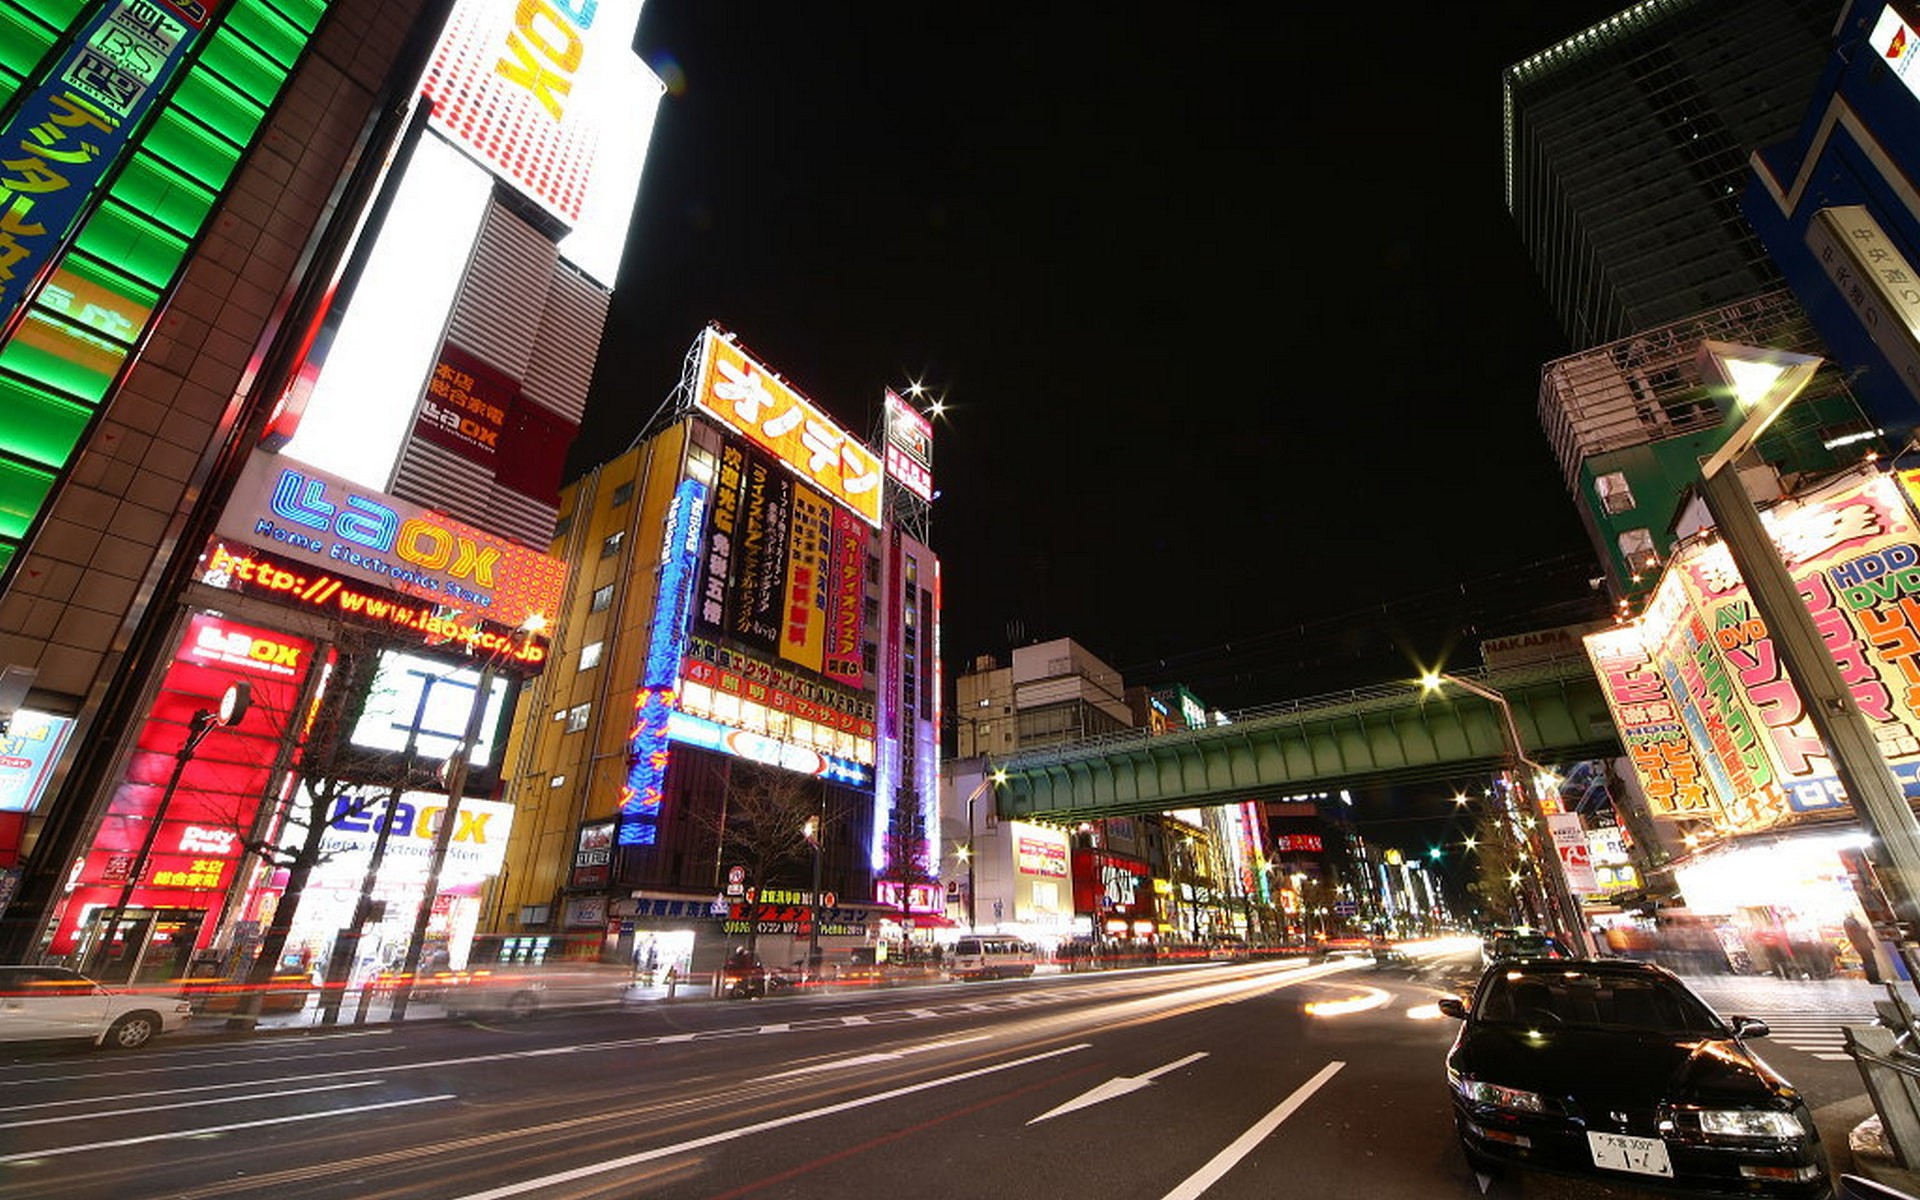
[1239,345]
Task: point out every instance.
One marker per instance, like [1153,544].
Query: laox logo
[365,521]
[221,643]
[546,49]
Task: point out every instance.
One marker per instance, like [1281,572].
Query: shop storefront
[1783,904]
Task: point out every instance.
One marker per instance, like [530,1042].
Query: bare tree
[334,781]
[764,822]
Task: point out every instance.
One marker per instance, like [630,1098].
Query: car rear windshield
[1641,1004]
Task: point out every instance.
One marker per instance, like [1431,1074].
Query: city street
[1224,1080]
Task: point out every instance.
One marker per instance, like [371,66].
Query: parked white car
[53,1003]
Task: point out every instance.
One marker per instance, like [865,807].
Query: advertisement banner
[1042,856]
[1854,552]
[803,632]
[716,566]
[747,397]
[1670,772]
[512,83]
[729,671]
[1576,856]
[842,660]
[759,555]
[466,406]
[72,126]
[29,749]
[1730,741]
[909,447]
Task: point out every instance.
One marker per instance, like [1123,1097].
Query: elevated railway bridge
[1379,736]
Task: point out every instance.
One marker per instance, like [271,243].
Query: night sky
[1239,345]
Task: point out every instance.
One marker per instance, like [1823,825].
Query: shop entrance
[148,946]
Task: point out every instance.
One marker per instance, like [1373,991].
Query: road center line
[177,1104]
[182,1134]
[546,1182]
[1198,1182]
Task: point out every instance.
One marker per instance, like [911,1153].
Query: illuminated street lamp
[233,706]
[1562,905]
[1763,382]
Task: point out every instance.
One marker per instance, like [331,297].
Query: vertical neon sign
[639,819]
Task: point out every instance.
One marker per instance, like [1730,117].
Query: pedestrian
[1862,942]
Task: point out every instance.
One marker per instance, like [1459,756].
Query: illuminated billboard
[1649,722]
[426,703]
[749,398]
[29,749]
[514,83]
[69,130]
[476,846]
[341,531]
[909,447]
[230,566]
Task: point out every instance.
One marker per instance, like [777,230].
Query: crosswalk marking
[1815,1034]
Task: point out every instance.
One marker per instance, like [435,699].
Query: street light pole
[1563,905]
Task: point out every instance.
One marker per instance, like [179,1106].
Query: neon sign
[639,819]
[746,396]
[758,747]
[312,515]
[241,569]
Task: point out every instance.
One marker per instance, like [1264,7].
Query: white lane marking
[1120,1085]
[546,1182]
[877,1057]
[1193,1185]
[783,1027]
[203,1131]
[674,1037]
[179,1104]
[922,1012]
[855,1020]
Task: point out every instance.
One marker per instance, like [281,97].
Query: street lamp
[233,706]
[1562,904]
[1763,382]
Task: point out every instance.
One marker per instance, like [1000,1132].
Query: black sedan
[1614,1069]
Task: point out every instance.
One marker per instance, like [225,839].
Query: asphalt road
[1223,1080]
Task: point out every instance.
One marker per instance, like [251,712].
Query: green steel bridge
[1384,735]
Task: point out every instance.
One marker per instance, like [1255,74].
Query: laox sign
[540,61]
[364,521]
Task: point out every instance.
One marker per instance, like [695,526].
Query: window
[560,526]
[602,599]
[577,717]
[590,655]
[611,546]
[621,495]
[1637,548]
[1615,495]
[557,781]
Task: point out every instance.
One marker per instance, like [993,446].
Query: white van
[990,956]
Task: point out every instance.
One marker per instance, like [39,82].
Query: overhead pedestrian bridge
[1378,736]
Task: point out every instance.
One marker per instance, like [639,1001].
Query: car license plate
[1646,1156]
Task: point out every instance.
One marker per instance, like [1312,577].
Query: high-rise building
[1836,208]
[744,703]
[1626,154]
[293,377]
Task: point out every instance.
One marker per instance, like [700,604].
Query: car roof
[1618,968]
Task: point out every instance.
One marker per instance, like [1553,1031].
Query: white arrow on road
[1118,1086]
